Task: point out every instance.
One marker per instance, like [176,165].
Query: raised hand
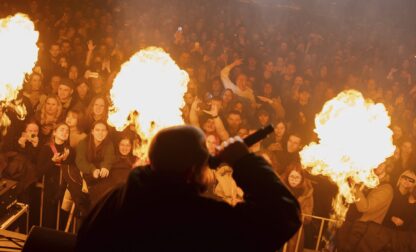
[91,45]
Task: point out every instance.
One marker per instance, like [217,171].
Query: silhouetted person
[161,208]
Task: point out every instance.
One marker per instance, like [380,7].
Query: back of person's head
[178,151]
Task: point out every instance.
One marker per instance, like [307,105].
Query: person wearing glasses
[363,229]
[402,212]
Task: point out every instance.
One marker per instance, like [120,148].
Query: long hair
[305,185]
[95,153]
[52,139]
[89,114]
[41,113]
[80,118]
[129,158]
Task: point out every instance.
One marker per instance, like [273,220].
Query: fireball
[354,138]
[19,54]
[148,94]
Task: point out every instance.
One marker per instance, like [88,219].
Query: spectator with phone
[55,154]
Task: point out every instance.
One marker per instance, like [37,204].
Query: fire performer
[161,207]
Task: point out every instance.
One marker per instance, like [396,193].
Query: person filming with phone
[162,207]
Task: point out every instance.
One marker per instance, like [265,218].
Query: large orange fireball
[354,138]
[19,54]
[148,93]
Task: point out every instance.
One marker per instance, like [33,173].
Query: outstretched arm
[270,214]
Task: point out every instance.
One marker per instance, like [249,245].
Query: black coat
[154,213]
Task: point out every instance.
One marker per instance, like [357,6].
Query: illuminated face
[55,81]
[264,119]
[397,132]
[99,107]
[267,89]
[304,97]
[99,132]
[298,81]
[234,121]
[54,51]
[64,92]
[73,73]
[239,107]
[61,133]
[293,144]
[241,81]
[51,106]
[227,96]
[32,129]
[65,48]
[294,179]
[211,142]
[269,66]
[35,83]
[209,126]
[280,129]
[71,119]
[124,147]
[82,89]
[189,98]
[216,85]
[407,181]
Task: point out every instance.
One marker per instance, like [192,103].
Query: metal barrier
[320,234]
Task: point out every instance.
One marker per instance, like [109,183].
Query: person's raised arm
[219,125]
[193,113]
[225,76]
[270,214]
[90,52]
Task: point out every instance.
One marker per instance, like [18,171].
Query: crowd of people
[248,67]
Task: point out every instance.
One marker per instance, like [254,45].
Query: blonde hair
[41,114]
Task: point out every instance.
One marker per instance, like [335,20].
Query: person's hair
[30,121]
[55,127]
[304,187]
[80,117]
[41,114]
[296,134]
[405,173]
[179,152]
[94,153]
[294,166]
[89,114]
[27,84]
[234,112]
[80,81]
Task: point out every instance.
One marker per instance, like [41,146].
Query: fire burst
[354,139]
[19,54]
[148,93]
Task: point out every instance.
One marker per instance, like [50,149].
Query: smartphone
[93,75]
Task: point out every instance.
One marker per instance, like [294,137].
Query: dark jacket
[155,213]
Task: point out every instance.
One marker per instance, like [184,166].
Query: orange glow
[152,85]
[19,54]
[354,138]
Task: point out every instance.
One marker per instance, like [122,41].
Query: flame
[19,54]
[148,93]
[354,139]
